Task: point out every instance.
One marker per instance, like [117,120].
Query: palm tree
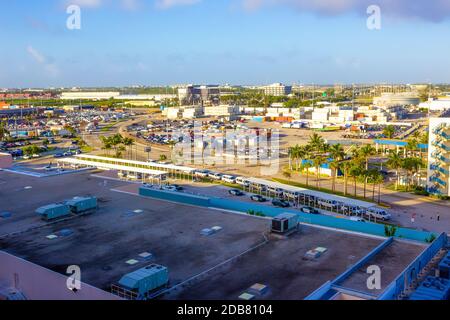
[354,172]
[389,131]
[337,153]
[412,145]
[128,142]
[3,131]
[318,161]
[305,167]
[395,162]
[346,165]
[316,142]
[365,153]
[412,167]
[335,166]
[373,178]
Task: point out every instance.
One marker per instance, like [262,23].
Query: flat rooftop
[127,225]
[392,260]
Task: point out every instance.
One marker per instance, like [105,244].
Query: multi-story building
[439,155]
[277,90]
[199,94]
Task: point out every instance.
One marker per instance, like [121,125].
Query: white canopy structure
[166,167]
[145,173]
[292,189]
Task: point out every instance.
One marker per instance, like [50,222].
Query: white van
[277,191]
[330,204]
[378,213]
[229,179]
[215,176]
[242,182]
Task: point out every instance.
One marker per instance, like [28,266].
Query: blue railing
[399,285]
[314,219]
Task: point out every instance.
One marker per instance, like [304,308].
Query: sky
[162,42]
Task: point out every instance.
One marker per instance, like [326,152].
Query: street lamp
[148,150]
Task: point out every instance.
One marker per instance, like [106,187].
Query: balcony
[438,181]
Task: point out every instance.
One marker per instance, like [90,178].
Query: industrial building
[441,104]
[439,155]
[88,95]
[192,94]
[396,99]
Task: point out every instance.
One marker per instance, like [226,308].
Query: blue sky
[128,42]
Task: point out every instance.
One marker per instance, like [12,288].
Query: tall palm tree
[365,153]
[305,167]
[354,172]
[373,178]
[346,165]
[337,154]
[316,142]
[318,161]
[335,166]
[395,162]
[3,131]
[128,143]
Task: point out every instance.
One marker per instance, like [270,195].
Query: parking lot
[127,225]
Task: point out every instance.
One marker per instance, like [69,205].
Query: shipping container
[82,204]
[53,211]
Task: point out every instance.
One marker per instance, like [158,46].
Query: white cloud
[166,4]
[51,69]
[431,10]
[36,55]
[85,3]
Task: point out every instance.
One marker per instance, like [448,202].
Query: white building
[80,95]
[396,99]
[221,111]
[277,90]
[436,104]
[439,155]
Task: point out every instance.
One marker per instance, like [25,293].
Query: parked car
[236,192]
[356,210]
[202,173]
[177,187]
[229,179]
[58,155]
[242,181]
[280,203]
[377,213]
[258,198]
[309,210]
[215,176]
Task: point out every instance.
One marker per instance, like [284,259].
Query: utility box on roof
[53,211]
[145,280]
[82,204]
[284,222]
